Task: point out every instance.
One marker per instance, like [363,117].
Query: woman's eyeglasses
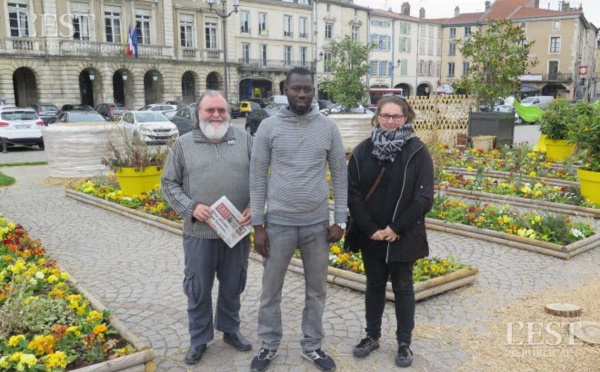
[386,117]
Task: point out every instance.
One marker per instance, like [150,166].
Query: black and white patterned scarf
[389,143]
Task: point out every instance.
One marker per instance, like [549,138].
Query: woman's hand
[378,235]
[389,234]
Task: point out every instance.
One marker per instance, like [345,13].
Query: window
[556,25]
[403,67]
[404,28]
[142,25]
[327,59]
[328,7]
[422,46]
[422,68]
[328,30]
[439,47]
[302,29]
[373,68]
[303,56]
[390,68]
[288,55]
[18,19]
[262,24]
[430,47]
[355,33]
[287,26]
[467,30]
[422,31]
[210,33]
[244,21]
[384,43]
[466,66]
[452,33]
[451,49]
[404,45]
[112,24]
[555,44]
[263,54]
[450,69]
[186,26]
[383,68]
[552,70]
[81,21]
[430,32]
[246,52]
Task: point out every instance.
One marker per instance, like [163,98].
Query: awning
[528,89]
[445,89]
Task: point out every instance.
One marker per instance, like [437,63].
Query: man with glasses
[288,174]
[211,161]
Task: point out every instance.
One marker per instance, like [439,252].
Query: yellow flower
[100,328]
[81,310]
[14,340]
[4,362]
[74,330]
[94,316]
[469,169]
[532,174]
[42,344]
[42,261]
[335,249]
[55,360]
[64,276]
[52,278]
[28,360]
[15,357]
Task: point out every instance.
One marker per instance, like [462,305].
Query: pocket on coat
[243,278]
[188,284]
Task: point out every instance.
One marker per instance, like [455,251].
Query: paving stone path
[136,270]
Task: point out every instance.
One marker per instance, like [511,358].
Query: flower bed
[514,191]
[556,235]
[48,323]
[346,268]
[520,159]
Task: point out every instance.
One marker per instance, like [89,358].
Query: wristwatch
[342,225]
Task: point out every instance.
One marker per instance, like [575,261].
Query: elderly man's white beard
[214,130]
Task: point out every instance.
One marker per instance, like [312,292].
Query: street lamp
[224,15]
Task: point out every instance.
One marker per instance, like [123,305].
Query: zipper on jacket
[387,253]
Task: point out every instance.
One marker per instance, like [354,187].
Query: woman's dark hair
[403,103]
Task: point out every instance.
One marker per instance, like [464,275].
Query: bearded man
[203,165]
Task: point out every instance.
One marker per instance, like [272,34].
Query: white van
[278,99]
[539,101]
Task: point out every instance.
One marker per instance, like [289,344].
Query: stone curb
[337,276]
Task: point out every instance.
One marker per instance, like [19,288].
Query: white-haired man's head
[213,115]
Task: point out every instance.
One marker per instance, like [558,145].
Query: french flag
[132,43]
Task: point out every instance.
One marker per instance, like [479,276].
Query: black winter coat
[401,200]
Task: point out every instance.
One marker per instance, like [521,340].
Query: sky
[445,8]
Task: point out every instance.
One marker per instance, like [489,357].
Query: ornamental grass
[45,324]
[553,228]
[519,159]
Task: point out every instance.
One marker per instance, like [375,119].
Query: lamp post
[224,15]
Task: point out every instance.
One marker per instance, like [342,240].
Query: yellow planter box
[590,184]
[134,183]
[559,150]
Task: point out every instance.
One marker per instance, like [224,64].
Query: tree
[349,65]
[498,55]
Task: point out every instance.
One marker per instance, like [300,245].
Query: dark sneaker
[320,359]
[262,360]
[194,354]
[237,341]
[404,357]
[365,347]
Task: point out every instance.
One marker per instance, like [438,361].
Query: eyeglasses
[386,117]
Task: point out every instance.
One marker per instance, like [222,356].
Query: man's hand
[335,233]
[202,212]
[389,234]
[261,241]
[246,217]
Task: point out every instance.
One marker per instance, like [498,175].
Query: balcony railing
[272,65]
[189,52]
[23,44]
[92,48]
[557,77]
[212,54]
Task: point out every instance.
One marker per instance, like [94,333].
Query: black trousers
[400,274]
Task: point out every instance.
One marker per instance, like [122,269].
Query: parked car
[234,110]
[111,111]
[76,107]
[539,101]
[262,102]
[508,108]
[184,118]
[77,116]
[46,111]
[153,127]
[21,126]
[278,99]
[245,107]
[324,104]
[256,117]
[159,107]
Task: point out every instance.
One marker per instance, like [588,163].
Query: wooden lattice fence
[444,117]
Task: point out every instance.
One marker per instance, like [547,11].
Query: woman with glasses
[390,190]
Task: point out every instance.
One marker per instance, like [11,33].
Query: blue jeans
[400,274]
[314,249]
[203,259]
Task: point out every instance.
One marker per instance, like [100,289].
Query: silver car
[20,126]
[153,127]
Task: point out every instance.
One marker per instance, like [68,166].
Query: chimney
[566,6]
[422,13]
[456,11]
[536,4]
[405,8]
[488,5]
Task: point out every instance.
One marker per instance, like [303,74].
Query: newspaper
[225,220]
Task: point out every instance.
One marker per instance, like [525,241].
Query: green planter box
[498,124]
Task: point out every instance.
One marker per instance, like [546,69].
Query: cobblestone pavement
[136,270]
